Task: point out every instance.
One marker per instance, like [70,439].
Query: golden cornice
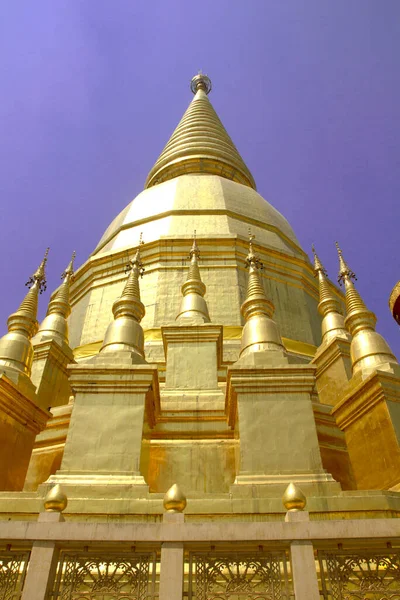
[183,438]
[267,381]
[199,212]
[229,333]
[112,378]
[19,407]
[91,275]
[361,396]
[62,356]
[327,354]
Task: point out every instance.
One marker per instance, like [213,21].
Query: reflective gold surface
[260,332]
[293,499]
[369,415]
[55,500]
[332,319]
[202,389]
[55,325]
[368,348]
[200,144]
[174,499]
[16,351]
[193,305]
[125,332]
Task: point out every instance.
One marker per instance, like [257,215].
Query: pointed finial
[55,325]
[333,321]
[39,275]
[260,333]
[252,259]
[293,499]
[201,82]
[344,269]
[55,500]
[193,305]
[194,251]
[70,269]
[174,500]
[318,266]
[125,331]
[136,261]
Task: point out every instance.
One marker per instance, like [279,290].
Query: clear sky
[309,91]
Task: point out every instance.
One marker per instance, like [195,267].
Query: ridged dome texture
[200,144]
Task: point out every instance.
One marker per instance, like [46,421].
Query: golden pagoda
[214,419]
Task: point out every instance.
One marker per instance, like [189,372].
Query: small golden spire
[39,275]
[368,348]
[332,319]
[193,305]
[260,331]
[54,325]
[200,144]
[174,500]
[16,351]
[55,500]
[344,269]
[125,331]
[293,499]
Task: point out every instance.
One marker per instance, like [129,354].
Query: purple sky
[309,91]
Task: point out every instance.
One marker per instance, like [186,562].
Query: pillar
[21,419]
[305,581]
[42,564]
[369,415]
[50,374]
[171,567]
[104,440]
[278,436]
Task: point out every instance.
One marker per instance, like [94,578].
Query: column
[305,582]
[43,564]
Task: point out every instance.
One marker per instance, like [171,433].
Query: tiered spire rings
[332,320]
[368,348]
[193,305]
[125,332]
[16,351]
[55,324]
[260,332]
[200,144]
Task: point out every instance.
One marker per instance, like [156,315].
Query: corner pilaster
[369,414]
[50,372]
[21,419]
[271,405]
[113,397]
[334,370]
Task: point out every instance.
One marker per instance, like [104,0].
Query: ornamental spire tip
[201,82]
[344,269]
[39,275]
[318,266]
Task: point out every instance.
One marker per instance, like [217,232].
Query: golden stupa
[202,412]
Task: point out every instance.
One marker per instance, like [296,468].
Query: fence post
[171,567]
[42,564]
[305,581]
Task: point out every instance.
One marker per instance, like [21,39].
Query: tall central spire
[200,144]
